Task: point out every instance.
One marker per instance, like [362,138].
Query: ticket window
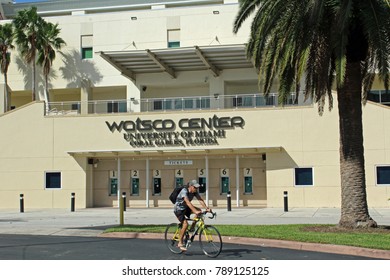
[202,180]
[248,181]
[225,186]
[179,178]
[134,182]
[156,182]
[113,183]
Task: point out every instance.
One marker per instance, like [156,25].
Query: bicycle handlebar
[214,214]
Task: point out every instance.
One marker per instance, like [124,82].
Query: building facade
[147,95]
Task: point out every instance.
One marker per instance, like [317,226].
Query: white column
[207,179]
[85,92]
[216,91]
[119,181]
[238,180]
[2,98]
[147,182]
[133,95]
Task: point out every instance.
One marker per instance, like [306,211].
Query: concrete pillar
[147,182]
[238,180]
[217,92]
[2,98]
[85,94]
[133,95]
[207,179]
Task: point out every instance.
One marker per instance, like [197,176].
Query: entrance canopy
[176,152]
[172,60]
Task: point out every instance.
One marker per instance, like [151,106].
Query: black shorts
[183,214]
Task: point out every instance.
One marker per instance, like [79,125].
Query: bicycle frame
[209,237]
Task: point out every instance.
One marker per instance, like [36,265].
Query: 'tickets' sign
[167,133]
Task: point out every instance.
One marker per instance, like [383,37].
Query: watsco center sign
[168,133]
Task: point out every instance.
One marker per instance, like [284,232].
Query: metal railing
[237,101]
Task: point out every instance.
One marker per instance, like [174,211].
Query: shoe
[182,247]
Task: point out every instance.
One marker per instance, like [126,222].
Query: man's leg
[184,226]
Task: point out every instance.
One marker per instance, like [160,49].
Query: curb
[302,246]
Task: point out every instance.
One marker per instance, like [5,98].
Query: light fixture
[216,95]
[93,161]
[216,12]
[133,18]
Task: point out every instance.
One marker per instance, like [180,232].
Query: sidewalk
[93,221]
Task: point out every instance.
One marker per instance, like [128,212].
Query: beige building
[152,94]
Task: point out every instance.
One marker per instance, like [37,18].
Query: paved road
[41,247]
[91,222]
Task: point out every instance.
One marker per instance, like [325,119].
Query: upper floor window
[116,107]
[174,38]
[86,46]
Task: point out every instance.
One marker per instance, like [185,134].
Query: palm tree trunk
[354,208]
[47,94]
[33,80]
[6,92]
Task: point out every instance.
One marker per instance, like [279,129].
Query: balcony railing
[171,104]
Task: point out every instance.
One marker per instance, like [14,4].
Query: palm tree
[27,27]
[48,43]
[339,42]
[6,40]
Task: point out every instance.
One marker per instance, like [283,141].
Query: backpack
[175,193]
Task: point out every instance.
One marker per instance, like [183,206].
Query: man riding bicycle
[184,208]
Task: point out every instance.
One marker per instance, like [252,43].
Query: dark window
[157,105]
[115,107]
[203,184]
[304,176]
[53,180]
[173,38]
[87,53]
[237,101]
[173,44]
[383,175]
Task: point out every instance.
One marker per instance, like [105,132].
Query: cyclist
[184,208]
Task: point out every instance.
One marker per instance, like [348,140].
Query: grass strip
[324,234]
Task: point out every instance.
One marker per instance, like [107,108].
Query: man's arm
[191,206]
[201,201]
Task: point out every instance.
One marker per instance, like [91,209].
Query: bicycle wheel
[172,237]
[210,241]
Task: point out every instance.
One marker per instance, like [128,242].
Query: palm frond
[247,7]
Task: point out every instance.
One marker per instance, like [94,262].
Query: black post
[21,203]
[72,202]
[124,201]
[285,201]
[229,201]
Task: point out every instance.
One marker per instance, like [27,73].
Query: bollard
[229,201]
[72,202]
[124,201]
[285,201]
[21,203]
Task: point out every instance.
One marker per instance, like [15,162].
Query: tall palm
[6,44]
[48,43]
[339,42]
[27,27]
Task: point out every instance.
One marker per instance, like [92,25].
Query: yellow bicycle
[209,237]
